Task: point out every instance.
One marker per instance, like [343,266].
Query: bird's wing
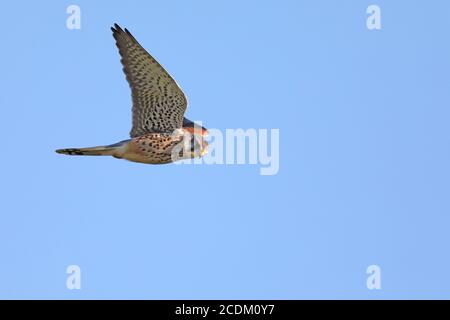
[158,102]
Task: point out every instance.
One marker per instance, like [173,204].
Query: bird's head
[199,145]
[194,128]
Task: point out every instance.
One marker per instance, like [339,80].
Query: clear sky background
[364,152]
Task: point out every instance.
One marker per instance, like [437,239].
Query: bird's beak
[204,148]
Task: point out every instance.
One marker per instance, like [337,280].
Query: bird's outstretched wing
[158,102]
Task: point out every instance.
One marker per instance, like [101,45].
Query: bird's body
[150,148]
[160,133]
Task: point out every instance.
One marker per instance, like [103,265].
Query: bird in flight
[160,133]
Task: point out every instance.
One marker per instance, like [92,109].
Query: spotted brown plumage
[159,133]
[158,102]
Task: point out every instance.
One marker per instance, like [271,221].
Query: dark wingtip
[130,35]
[116,28]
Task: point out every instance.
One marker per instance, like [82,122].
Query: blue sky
[364,152]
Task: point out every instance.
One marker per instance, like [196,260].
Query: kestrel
[160,133]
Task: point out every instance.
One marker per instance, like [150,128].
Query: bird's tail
[111,150]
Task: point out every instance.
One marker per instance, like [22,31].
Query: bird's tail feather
[93,151]
[110,150]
